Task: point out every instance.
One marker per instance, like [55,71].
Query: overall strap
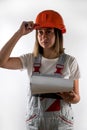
[62,59]
[60,65]
[37,64]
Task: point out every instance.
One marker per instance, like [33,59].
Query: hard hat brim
[37,26]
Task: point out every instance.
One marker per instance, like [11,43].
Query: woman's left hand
[72,96]
[68,96]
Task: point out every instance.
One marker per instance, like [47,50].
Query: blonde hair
[57,48]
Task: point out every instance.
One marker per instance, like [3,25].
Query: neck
[50,54]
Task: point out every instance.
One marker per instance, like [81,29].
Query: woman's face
[46,37]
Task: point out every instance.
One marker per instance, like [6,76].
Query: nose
[44,35]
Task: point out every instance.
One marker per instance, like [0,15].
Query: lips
[45,41]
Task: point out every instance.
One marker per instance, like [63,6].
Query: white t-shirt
[48,66]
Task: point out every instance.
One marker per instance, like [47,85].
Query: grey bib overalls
[49,111]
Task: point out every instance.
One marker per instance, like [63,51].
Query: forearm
[25,28]
[8,47]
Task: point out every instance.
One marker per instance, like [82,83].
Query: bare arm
[5,60]
[73,96]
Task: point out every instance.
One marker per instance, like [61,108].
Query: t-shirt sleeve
[26,60]
[74,69]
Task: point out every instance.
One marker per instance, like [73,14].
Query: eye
[40,32]
[48,32]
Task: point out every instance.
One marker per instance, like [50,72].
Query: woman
[46,111]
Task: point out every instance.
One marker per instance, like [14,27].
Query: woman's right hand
[26,27]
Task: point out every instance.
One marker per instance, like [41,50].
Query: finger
[29,25]
[36,26]
[72,93]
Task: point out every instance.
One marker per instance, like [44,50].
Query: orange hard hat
[51,19]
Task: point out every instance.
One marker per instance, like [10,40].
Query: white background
[14,83]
